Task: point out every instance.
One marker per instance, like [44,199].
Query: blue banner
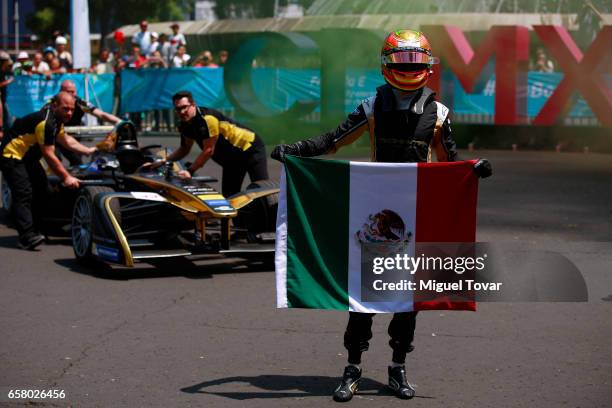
[540,87]
[280,88]
[149,89]
[27,94]
[143,90]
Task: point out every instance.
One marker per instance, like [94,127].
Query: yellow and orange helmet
[406,60]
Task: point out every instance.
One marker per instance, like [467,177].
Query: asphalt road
[207,333]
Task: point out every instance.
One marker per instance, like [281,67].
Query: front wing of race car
[168,222]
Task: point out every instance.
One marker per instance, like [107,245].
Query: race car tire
[260,215]
[82,222]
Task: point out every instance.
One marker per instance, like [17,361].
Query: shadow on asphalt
[287,386]
[8,242]
[11,242]
[164,268]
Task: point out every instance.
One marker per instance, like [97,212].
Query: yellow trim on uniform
[39,131]
[213,125]
[19,146]
[237,136]
[437,144]
[347,140]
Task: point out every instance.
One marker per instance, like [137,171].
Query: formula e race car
[125,212]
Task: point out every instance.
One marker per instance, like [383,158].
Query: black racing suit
[238,149]
[20,163]
[396,135]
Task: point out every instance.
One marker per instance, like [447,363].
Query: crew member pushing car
[233,146]
[81,107]
[26,141]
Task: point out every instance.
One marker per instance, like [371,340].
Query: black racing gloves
[280,151]
[483,168]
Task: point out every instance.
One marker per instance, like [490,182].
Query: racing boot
[348,386]
[30,241]
[398,383]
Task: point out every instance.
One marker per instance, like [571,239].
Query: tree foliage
[105,15]
[252,8]
[50,15]
[244,8]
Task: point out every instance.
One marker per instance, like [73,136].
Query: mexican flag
[331,212]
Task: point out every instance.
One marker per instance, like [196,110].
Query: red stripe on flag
[446,202]
[447,195]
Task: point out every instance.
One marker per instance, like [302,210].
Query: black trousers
[28,183]
[253,162]
[359,332]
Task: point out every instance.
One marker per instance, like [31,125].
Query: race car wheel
[7,199]
[82,221]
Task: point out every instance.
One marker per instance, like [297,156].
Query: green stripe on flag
[317,228]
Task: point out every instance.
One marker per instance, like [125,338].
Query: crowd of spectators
[147,49]
[54,59]
[150,49]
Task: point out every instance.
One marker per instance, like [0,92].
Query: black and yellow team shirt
[234,140]
[81,107]
[33,130]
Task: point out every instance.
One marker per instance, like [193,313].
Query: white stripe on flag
[280,257]
[375,188]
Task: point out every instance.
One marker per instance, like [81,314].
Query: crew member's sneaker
[348,386]
[398,383]
[30,241]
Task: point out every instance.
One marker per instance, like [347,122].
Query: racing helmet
[126,133]
[406,60]
[126,148]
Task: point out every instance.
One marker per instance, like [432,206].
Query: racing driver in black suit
[405,124]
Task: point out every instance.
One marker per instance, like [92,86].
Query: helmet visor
[408,57]
[408,67]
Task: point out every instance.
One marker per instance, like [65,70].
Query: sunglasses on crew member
[181,108]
